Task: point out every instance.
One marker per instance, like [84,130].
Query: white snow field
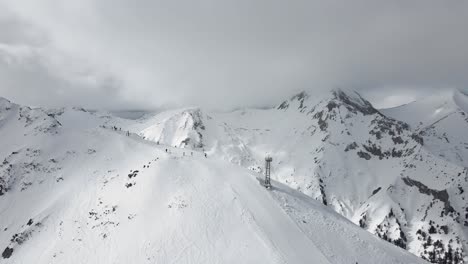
[75,190]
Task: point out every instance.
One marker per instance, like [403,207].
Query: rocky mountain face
[410,189]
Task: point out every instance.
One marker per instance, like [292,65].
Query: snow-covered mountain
[442,120]
[76,188]
[194,129]
[378,172]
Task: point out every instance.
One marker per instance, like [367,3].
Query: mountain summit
[352,100]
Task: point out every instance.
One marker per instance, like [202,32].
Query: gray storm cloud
[224,54]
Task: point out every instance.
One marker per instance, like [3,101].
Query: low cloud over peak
[224,54]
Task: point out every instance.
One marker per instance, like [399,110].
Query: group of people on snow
[191,153]
[117,129]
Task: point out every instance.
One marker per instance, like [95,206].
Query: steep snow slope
[90,194]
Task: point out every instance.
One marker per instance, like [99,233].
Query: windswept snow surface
[75,190]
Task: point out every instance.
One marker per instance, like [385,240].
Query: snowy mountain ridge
[411,161]
[372,167]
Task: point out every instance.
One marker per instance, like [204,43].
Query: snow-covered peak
[350,99]
[179,128]
[426,110]
[353,101]
[442,121]
[194,129]
[35,120]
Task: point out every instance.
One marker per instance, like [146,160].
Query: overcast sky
[223,54]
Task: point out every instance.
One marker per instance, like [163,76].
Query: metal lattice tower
[268,161]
